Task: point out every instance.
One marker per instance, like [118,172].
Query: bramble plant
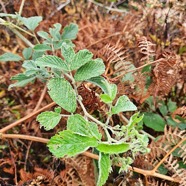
[63,75]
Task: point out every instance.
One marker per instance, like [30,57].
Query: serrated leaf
[113,148]
[43,34]
[95,131]
[32,22]
[62,93]
[66,143]
[55,32]
[106,98]
[123,104]
[48,119]
[52,62]
[27,53]
[68,53]
[42,48]
[22,80]
[37,54]
[77,124]
[70,32]
[104,165]
[101,82]
[81,58]
[91,69]
[10,57]
[154,121]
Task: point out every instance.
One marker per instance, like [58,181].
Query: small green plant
[63,75]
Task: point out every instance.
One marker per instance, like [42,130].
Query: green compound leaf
[22,80]
[48,119]
[70,32]
[62,93]
[42,48]
[104,165]
[32,22]
[123,104]
[91,69]
[79,125]
[52,62]
[80,59]
[70,144]
[27,53]
[10,57]
[154,121]
[113,148]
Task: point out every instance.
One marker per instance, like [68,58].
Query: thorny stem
[94,156]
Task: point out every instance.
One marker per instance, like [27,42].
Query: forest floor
[130,37]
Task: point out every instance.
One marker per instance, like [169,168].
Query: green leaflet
[10,57]
[43,34]
[113,148]
[123,104]
[104,165]
[91,69]
[52,62]
[79,125]
[48,119]
[42,48]
[32,22]
[81,58]
[62,93]
[22,80]
[154,121]
[70,32]
[66,143]
[27,53]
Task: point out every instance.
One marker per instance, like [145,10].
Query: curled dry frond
[146,49]
[82,166]
[180,111]
[165,74]
[160,148]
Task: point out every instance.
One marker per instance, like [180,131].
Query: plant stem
[94,156]
[21,7]
[3,22]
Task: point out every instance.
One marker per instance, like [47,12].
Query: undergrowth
[92,87]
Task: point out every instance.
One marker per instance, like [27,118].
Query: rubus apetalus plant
[63,75]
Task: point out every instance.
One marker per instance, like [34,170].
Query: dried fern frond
[114,58]
[82,165]
[146,49]
[161,150]
[180,111]
[154,182]
[165,75]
